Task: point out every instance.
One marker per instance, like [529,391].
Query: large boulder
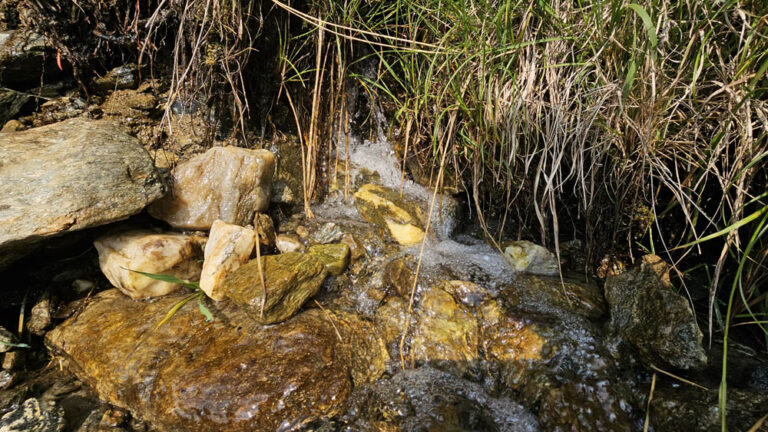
[290,280]
[226,183]
[69,176]
[648,312]
[122,255]
[228,374]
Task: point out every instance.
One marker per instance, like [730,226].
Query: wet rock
[587,405]
[513,343]
[366,353]
[335,256]
[328,233]
[356,249]
[471,294]
[648,313]
[578,296]
[290,278]
[229,374]
[11,103]
[758,378]
[40,316]
[399,273]
[87,173]
[148,252]
[25,59]
[281,194]
[286,243]
[527,257]
[447,334]
[687,408]
[33,416]
[391,318]
[6,338]
[385,208]
[426,399]
[265,228]
[226,183]
[120,78]
[228,247]
[113,418]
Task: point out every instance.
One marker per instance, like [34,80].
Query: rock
[12,126]
[8,378]
[69,176]
[228,247]
[25,60]
[40,316]
[687,408]
[120,78]
[58,109]
[528,257]
[398,274]
[328,233]
[286,243]
[148,252]
[471,294]
[226,183]
[447,333]
[426,399]
[578,296]
[129,103]
[335,256]
[113,418]
[356,249]
[33,416]
[386,209]
[6,338]
[13,360]
[291,279]
[513,343]
[11,104]
[281,194]
[391,318]
[648,313]
[265,228]
[229,374]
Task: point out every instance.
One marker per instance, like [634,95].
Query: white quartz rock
[224,183]
[149,252]
[229,246]
[528,257]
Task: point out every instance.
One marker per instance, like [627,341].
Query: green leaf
[167,278]
[726,230]
[175,309]
[647,23]
[204,310]
[15,345]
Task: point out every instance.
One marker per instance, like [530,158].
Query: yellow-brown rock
[228,247]
[265,228]
[231,374]
[386,208]
[335,256]
[290,279]
[226,183]
[447,333]
[149,252]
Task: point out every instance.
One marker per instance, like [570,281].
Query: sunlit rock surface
[288,243]
[659,322]
[403,219]
[290,280]
[68,176]
[149,252]
[229,374]
[335,256]
[226,183]
[228,247]
[529,257]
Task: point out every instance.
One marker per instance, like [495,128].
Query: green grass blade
[167,278]
[203,309]
[175,309]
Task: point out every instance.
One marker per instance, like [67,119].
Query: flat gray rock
[69,176]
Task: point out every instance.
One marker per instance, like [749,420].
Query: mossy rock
[335,256]
[387,209]
[290,278]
